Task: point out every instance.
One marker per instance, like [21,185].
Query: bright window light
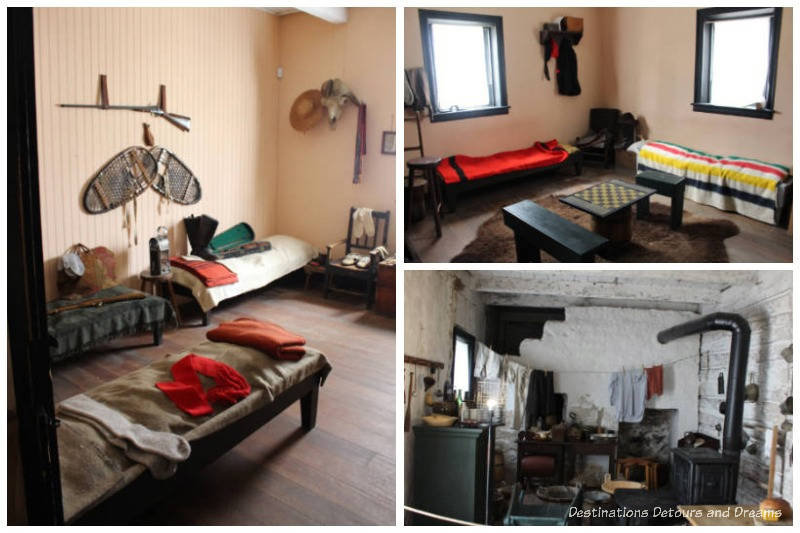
[460,58]
[461,378]
[740,62]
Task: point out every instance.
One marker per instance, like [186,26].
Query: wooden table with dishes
[565,452]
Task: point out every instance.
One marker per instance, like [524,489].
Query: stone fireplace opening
[653,437]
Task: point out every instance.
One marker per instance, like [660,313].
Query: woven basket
[99,274]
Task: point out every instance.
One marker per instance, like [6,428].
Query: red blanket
[210,273]
[270,338]
[465,168]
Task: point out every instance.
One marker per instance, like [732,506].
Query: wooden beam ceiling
[689,290]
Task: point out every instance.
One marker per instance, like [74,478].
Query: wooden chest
[385,289]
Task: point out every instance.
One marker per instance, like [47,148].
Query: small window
[736,61]
[463,362]
[465,63]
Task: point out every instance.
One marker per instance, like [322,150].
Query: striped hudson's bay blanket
[746,186]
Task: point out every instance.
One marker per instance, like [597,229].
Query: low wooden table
[535,229]
[610,203]
[157,283]
[667,185]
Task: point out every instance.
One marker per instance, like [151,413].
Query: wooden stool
[649,464]
[667,185]
[425,167]
[158,282]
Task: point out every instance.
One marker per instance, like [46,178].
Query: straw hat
[306,110]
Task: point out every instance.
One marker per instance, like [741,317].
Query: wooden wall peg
[103,92]
[162,97]
[148,135]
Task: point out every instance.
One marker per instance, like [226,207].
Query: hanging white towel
[363,222]
[516,379]
[487,362]
[627,393]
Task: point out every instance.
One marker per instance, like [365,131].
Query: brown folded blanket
[265,336]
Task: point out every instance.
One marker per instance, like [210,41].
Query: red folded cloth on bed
[465,168]
[265,336]
[210,273]
[187,392]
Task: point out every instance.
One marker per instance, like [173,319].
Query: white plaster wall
[605,340]
[767,305]
[435,301]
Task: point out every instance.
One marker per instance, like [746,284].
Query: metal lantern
[159,253]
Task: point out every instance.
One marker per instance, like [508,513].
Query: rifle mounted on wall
[181,122]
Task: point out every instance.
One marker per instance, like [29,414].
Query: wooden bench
[667,185]
[535,229]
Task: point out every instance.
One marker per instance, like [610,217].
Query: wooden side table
[312,268]
[157,284]
[385,290]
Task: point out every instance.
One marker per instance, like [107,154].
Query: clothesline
[613,371]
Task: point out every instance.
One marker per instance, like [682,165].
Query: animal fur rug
[698,240]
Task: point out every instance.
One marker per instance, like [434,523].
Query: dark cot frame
[145,491]
[702,62]
[452,190]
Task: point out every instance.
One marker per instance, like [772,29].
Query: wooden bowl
[610,485]
[439,420]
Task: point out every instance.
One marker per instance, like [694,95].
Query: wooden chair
[364,245]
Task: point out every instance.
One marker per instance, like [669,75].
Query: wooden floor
[756,242]
[341,473]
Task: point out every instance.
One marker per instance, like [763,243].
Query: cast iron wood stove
[701,476]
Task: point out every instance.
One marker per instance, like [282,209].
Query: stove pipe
[737,368]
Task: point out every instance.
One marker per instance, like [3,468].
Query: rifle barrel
[180,121]
[150,108]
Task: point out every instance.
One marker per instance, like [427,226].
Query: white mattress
[254,270]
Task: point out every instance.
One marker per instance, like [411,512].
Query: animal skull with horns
[335,94]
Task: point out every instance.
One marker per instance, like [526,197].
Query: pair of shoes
[351,259]
[364,261]
[360,261]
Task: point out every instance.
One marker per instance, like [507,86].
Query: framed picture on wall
[387,145]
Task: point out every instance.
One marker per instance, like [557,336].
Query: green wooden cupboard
[450,473]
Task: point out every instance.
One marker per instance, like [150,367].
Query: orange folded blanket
[210,273]
[265,336]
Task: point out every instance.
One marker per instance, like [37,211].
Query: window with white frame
[736,60]
[463,55]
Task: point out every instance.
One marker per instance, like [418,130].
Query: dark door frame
[27,317]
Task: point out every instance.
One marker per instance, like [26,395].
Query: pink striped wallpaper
[219,69]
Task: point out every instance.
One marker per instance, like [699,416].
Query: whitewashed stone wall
[767,305]
[435,301]
[593,342]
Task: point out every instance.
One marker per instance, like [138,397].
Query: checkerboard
[607,198]
[609,195]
